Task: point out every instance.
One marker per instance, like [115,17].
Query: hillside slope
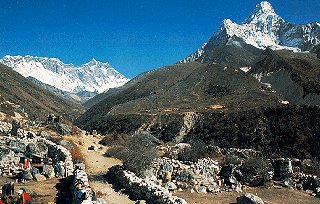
[175,90]
[36,101]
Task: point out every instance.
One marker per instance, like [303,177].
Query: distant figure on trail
[24,198]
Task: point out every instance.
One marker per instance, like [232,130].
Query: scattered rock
[49,172]
[17,146]
[249,198]
[171,186]
[39,177]
[201,189]
[93,147]
[67,144]
[38,148]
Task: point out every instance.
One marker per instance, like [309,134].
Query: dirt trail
[97,166]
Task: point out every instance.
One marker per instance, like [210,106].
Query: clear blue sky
[133,35]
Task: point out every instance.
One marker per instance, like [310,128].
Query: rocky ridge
[262,29]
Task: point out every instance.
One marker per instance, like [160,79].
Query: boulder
[15,127]
[282,169]
[28,176]
[49,172]
[67,144]
[249,198]
[40,177]
[93,147]
[38,148]
[63,129]
[17,146]
[201,189]
[170,186]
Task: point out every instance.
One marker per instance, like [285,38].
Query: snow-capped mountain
[263,29]
[94,76]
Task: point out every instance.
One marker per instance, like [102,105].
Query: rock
[49,172]
[15,127]
[39,177]
[93,147]
[28,176]
[17,146]
[67,144]
[201,189]
[63,129]
[38,148]
[282,169]
[213,188]
[238,188]
[249,198]
[170,186]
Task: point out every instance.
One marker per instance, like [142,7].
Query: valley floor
[270,196]
[97,166]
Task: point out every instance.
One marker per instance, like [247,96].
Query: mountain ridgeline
[76,83]
[252,85]
[31,99]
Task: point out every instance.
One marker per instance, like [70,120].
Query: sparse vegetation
[137,153]
[114,139]
[197,151]
[255,171]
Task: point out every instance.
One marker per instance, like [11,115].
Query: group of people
[27,169]
[8,195]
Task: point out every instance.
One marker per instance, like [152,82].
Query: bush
[76,154]
[255,171]
[114,139]
[137,153]
[230,159]
[198,150]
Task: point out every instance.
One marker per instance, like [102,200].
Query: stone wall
[143,189]
[82,193]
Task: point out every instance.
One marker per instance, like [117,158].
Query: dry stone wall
[144,189]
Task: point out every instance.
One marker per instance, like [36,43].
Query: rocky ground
[269,196]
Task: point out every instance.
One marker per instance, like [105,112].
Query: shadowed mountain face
[36,101]
[175,90]
[217,104]
[296,76]
[233,91]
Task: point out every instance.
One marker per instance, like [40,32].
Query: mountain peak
[263,12]
[265,7]
[94,76]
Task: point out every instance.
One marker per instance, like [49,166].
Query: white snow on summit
[264,29]
[93,76]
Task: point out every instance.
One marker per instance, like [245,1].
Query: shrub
[137,153]
[230,159]
[76,154]
[197,150]
[114,139]
[255,171]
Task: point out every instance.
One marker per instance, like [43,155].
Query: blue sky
[134,36]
